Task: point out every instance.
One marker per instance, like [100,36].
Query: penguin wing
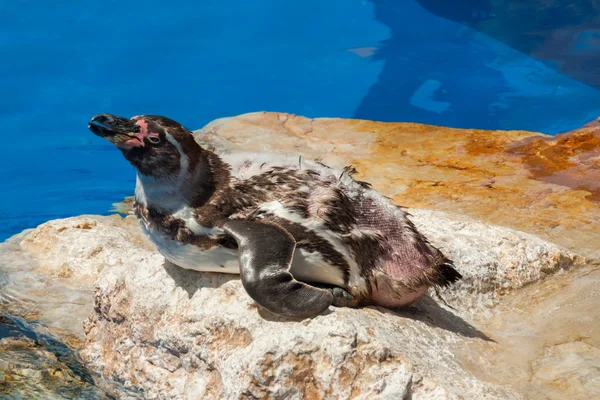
[265,255]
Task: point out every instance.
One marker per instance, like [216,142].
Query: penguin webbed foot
[342,298]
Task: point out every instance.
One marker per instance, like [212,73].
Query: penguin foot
[341,298]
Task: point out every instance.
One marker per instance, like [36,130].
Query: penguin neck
[193,186]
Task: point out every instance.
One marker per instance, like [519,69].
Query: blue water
[469,65]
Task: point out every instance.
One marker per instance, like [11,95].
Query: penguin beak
[121,132]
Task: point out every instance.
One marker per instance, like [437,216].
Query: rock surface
[493,260]
[163,332]
[73,248]
[548,336]
[545,185]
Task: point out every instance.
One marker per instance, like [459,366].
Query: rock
[548,337]
[545,185]
[36,372]
[568,366]
[57,305]
[158,331]
[163,332]
[75,250]
[47,274]
[493,260]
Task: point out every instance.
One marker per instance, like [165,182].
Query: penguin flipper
[265,255]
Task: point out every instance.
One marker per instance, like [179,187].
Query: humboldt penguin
[303,236]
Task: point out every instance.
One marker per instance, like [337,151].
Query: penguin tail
[446,274]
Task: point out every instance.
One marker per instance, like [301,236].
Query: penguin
[302,236]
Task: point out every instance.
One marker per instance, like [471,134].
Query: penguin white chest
[306,266]
[189,256]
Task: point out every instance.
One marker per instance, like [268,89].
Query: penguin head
[156,146]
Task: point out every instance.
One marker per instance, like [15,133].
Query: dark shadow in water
[451,81]
[449,75]
[62,352]
[565,35]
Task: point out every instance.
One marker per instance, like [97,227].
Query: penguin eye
[154,139]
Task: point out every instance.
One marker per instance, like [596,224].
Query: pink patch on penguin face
[134,142]
[143,125]
[137,140]
[144,133]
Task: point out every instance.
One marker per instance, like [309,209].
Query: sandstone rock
[29,371]
[163,332]
[158,331]
[494,260]
[567,366]
[73,248]
[544,185]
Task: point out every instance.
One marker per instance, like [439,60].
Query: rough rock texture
[164,332]
[493,260]
[157,331]
[73,248]
[544,185]
[26,366]
[567,364]
[548,336]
